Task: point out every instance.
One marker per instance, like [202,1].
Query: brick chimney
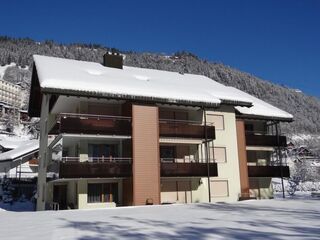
[112,59]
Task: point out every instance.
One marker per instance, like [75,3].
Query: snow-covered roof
[21,151]
[261,108]
[12,143]
[65,76]
[69,76]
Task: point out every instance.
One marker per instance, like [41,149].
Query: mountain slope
[306,109]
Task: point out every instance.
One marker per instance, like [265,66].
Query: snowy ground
[264,219]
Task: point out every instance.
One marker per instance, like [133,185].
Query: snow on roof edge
[187,95]
[129,97]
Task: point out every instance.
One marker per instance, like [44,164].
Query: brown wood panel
[268,171]
[95,125]
[145,148]
[94,170]
[188,170]
[242,154]
[265,140]
[183,129]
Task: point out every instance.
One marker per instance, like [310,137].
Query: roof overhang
[36,92]
[263,118]
[236,103]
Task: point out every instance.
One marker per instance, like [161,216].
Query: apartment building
[131,136]
[10,98]
[10,94]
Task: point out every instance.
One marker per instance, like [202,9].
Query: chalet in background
[132,136]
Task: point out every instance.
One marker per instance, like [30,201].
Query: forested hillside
[306,109]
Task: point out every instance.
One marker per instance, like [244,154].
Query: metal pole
[280,159]
[206,151]
[19,185]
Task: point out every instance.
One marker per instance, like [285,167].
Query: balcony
[185,129]
[92,124]
[121,126]
[268,171]
[264,140]
[95,167]
[72,167]
[187,169]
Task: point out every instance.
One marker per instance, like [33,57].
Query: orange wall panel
[146,156]
[242,152]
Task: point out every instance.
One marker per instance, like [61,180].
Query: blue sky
[277,40]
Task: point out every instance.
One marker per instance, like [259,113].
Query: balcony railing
[172,167]
[96,159]
[120,125]
[184,160]
[268,171]
[74,167]
[93,124]
[265,140]
[185,129]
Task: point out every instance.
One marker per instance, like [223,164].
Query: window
[219,188]
[219,154]
[167,153]
[102,151]
[171,114]
[102,192]
[217,120]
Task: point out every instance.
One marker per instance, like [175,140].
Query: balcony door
[60,196]
[102,152]
[167,153]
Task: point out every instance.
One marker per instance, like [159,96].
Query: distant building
[10,94]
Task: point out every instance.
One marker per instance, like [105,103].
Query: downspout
[207,152]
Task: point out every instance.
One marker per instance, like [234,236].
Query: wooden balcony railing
[188,169]
[265,140]
[93,124]
[73,167]
[119,125]
[185,129]
[268,171]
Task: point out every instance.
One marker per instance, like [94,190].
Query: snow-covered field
[264,219]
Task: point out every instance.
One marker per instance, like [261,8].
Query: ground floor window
[102,192]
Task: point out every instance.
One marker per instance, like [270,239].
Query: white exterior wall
[229,170]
